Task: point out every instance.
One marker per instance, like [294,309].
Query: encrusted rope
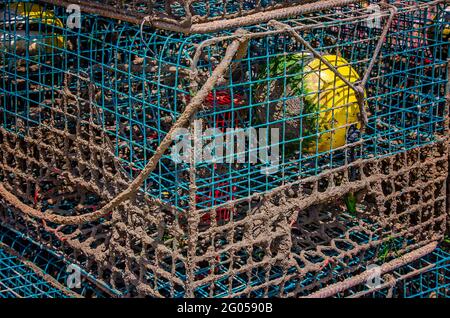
[39,272]
[392,281]
[334,289]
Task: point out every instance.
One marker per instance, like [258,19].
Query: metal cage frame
[70,177]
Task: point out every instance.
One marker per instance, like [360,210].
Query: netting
[138,92]
[427,277]
[195,17]
[88,117]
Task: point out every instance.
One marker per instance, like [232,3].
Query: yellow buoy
[335,102]
[307,99]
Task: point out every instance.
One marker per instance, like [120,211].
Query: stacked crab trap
[222,148]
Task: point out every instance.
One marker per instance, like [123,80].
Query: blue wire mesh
[206,9]
[191,16]
[134,85]
[427,277]
[432,284]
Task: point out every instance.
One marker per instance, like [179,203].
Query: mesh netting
[426,277]
[18,281]
[193,16]
[88,116]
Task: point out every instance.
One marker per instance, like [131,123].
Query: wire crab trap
[88,115]
[198,16]
[425,277]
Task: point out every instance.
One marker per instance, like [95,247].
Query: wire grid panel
[427,277]
[208,10]
[139,86]
[83,113]
[18,281]
[319,126]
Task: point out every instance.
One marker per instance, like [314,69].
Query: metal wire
[144,99]
[18,281]
[84,112]
[28,270]
[197,17]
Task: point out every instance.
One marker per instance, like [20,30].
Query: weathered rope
[187,26]
[39,272]
[392,281]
